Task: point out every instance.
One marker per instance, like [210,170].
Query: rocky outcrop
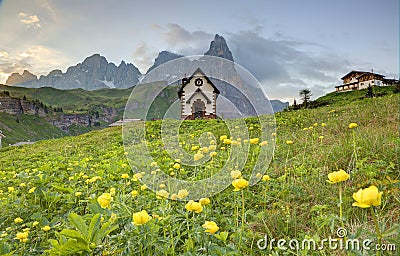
[25,77]
[219,48]
[162,58]
[95,72]
[15,106]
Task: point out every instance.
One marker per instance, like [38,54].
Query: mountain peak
[219,48]
[163,56]
[16,78]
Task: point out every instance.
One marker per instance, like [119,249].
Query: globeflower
[223,137]
[353,125]
[289,142]
[339,176]
[204,201]
[266,178]
[193,206]
[46,228]
[236,174]
[263,143]
[30,191]
[212,147]
[227,141]
[18,220]
[254,140]
[198,156]
[104,200]
[177,166]
[162,194]
[367,197]
[212,154]
[125,176]
[22,236]
[239,184]
[182,193]
[210,226]
[140,218]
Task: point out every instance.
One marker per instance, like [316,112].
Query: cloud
[186,42]
[285,66]
[144,56]
[31,21]
[37,59]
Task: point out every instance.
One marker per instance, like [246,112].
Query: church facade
[198,97]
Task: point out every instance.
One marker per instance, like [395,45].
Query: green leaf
[222,236]
[392,231]
[94,225]
[73,234]
[78,222]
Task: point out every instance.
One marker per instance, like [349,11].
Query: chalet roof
[362,73]
[186,81]
[202,93]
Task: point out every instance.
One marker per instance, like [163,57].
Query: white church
[198,97]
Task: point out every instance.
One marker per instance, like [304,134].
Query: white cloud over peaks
[31,21]
[37,59]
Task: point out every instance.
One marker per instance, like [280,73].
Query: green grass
[27,127]
[297,203]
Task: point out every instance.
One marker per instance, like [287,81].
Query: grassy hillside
[27,127]
[48,183]
[77,100]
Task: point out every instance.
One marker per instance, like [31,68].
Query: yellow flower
[353,125]
[162,185]
[125,176]
[212,154]
[222,148]
[124,165]
[315,124]
[174,196]
[177,166]
[367,197]
[182,193]
[104,200]
[235,143]
[305,129]
[210,226]
[321,137]
[143,187]
[263,143]
[198,156]
[323,124]
[227,141]
[18,220]
[162,194]
[236,174]
[266,178]
[112,191]
[138,175]
[223,137]
[193,206]
[134,193]
[289,142]
[140,218]
[22,184]
[240,184]
[258,175]
[153,164]
[46,228]
[273,134]
[212,142]
[30,191]
[204,150]
[22,236]
[78,193]
[204,201]
[339,176]
[194,148]
[178,160]
[35,223]
[254,140]
[10,189]
[212,147]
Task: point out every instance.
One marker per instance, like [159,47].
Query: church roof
[185,81]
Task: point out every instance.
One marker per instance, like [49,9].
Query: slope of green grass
[49,180]
[27,127]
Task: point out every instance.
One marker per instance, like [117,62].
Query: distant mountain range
[95,72]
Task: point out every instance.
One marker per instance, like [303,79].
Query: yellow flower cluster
[140,218]
[193,206]
[105,200]
[239,184]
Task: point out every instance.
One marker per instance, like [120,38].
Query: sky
[287,45]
